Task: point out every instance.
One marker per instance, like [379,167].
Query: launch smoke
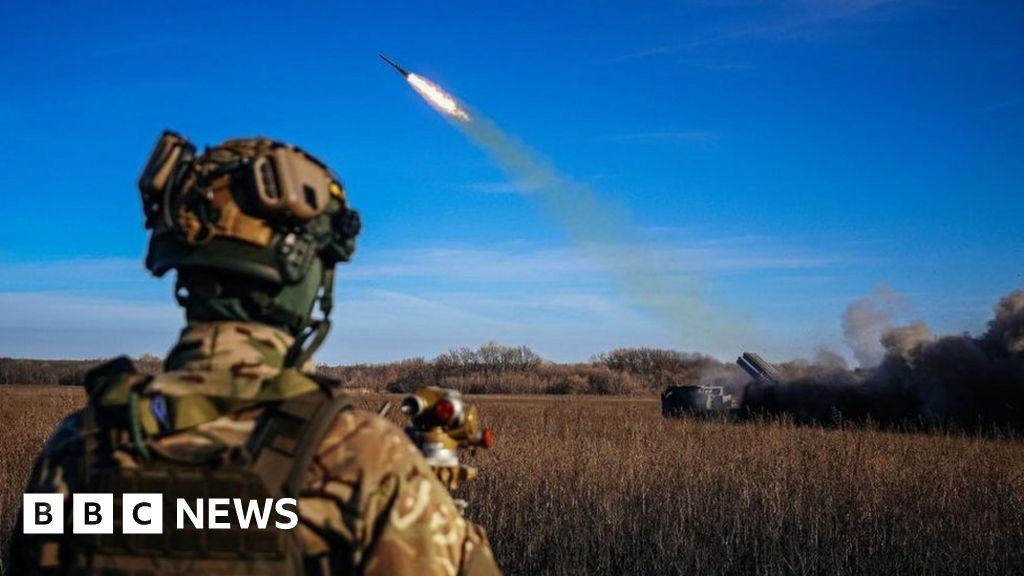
[866,320]
[970,382]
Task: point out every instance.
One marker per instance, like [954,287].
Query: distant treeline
[60,372]
[489,369]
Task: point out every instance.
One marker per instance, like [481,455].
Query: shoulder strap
[112,379]
[109,386]
[289,435]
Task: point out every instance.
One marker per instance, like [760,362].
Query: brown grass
[28,415]
[606,486]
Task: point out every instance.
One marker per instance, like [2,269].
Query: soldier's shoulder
[66,436]
[363,443]
[110,373]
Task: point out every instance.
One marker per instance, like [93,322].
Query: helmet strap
[316,333]
[259,305]
[271,310]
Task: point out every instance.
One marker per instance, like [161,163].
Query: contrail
[604,232]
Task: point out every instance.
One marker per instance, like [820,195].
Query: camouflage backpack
[272,464]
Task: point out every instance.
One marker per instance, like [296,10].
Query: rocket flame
[437,97]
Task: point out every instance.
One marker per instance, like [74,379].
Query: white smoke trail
[605,233]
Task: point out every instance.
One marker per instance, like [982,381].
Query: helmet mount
[254,228]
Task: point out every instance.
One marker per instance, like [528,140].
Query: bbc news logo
[144,513]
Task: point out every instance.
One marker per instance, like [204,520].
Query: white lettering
[218,508]
[142,513]
[293,518]
[92,513]
[184,510]
[42,513]
[253,509]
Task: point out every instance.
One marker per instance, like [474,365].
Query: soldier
[254,229]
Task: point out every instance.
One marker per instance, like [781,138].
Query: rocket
[402,71]
[442,101]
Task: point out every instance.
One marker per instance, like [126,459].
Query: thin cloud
[699,136]
[394,304]
[527,265]
[561,325]
[404,307]
[62,311]
[1002,105]
[717,64]
[79,268]
[803,16]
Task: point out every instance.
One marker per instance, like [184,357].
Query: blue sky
[791,155]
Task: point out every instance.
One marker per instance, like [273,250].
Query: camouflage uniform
[370,505]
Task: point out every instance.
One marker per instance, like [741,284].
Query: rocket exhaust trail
[600,230]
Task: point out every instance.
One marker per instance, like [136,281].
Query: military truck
[677,400]
[717,398]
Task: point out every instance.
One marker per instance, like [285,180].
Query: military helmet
[252,205]
[253,226]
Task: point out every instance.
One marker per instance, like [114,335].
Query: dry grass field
[606,486]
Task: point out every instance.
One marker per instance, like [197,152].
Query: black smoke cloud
[960,380]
